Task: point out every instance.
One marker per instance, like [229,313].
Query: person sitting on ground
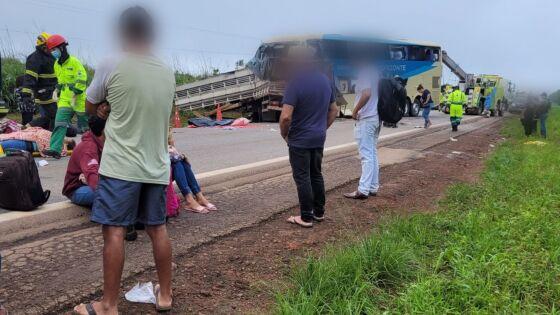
[183,175]
[82,173]
[32,139]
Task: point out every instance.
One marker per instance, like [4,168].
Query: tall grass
[494,247]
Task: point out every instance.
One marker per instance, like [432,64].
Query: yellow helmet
[42,38]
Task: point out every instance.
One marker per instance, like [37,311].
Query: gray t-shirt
[140,90]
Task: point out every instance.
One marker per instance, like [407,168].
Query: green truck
[488,94]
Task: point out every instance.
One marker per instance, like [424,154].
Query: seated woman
[184,177]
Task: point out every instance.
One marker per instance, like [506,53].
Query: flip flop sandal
[89,309]
[158,307]
[211,207]
[304,224]
[199,209]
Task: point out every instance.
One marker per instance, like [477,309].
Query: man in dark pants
[39,84]
[309,108]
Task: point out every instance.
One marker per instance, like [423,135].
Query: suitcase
[20,185]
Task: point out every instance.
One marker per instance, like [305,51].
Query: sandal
[199,209]
[211,207]
[297,220]
[89,309]
[160,308]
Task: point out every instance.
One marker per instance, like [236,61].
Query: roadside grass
[493,247]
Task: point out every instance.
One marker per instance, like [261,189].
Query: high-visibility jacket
[457,97]
[72,79]
[39,81]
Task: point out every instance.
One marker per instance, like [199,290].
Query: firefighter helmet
[42,39]
[55,40]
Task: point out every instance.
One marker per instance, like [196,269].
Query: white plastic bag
[141,293]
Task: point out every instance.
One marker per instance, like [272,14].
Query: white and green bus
[418,62]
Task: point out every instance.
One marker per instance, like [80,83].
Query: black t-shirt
[426,98]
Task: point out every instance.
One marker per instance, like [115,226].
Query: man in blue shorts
[134,91]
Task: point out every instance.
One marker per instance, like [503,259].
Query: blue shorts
[123,203]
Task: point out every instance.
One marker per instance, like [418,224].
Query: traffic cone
[177,118]
[219,113]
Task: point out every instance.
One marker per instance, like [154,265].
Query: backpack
[20,183]
[392,99]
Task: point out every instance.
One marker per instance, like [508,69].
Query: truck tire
[414,109]
[406,108]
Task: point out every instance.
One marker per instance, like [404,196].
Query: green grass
[494,247]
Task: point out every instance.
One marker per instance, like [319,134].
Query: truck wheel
[414,109]
[406,109]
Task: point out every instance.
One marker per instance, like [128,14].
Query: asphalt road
[211,149]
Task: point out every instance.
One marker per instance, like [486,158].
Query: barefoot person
[183,175]
[309,109]
[135,168]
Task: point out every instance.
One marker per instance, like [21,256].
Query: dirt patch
[240,272]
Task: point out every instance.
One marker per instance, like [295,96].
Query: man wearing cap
[39,84]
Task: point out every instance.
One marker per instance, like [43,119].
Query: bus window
[335,49]
[418,53]
[435,54]
[435,82]
[397,53]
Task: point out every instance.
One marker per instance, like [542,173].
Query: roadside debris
[42,163]
[539,143]
[141,293]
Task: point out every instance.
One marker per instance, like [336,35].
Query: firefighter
[72,77]
[457,99]
[38,86]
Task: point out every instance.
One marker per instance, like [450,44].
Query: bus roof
[299,38]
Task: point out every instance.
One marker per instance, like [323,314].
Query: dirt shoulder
[239,273]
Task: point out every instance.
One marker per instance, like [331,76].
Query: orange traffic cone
[177,118]
[219,113]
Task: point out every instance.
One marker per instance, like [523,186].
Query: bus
[418,62]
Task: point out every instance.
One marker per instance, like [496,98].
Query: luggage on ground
[392,99]
[20,185]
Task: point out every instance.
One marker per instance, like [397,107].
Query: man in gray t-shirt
[134,92]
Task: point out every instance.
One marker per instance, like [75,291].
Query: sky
[517,39]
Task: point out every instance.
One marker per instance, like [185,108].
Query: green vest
[72,77]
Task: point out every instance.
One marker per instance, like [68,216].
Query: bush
[11,69]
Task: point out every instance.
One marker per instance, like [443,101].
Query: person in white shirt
[366,131]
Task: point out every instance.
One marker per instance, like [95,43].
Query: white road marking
[248,166]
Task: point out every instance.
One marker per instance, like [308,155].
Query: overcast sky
[517,39]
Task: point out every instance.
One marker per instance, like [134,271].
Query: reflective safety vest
[39,81]
[457,97]
[72,77]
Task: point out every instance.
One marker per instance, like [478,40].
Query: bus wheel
[406,108]
[414,109]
